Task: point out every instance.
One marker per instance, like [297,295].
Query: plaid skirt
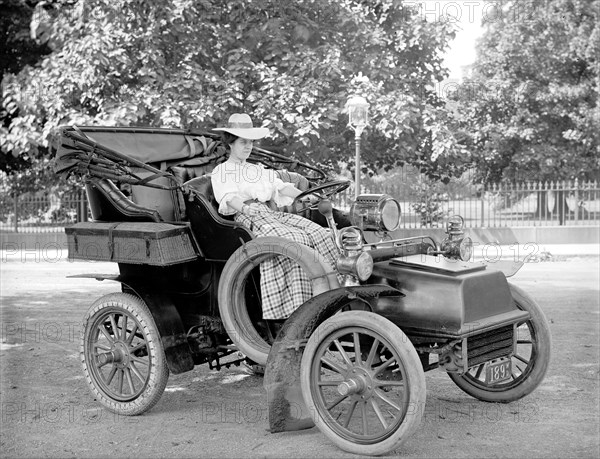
[284,285]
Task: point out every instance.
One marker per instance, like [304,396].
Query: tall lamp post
[358,113]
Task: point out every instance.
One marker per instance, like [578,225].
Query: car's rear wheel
[363,383]
[529,362]
[122,354]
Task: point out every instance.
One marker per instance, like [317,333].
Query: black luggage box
[159,244]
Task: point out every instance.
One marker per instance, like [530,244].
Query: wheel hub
[123,354]
[358,381]
[118,355]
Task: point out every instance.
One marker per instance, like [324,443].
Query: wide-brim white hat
[240,125]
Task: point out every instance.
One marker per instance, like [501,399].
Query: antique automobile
[352,359]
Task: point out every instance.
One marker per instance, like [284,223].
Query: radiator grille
[490,345]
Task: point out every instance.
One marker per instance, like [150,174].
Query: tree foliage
[292,65]
[17,50]
[530,107]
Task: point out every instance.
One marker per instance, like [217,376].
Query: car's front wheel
[122,354]
[363,383]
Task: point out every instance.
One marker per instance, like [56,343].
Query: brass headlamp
[375,212]
[456,245]
[353,260]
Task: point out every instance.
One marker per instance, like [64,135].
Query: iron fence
[494,206]
[505,205]
[42,212]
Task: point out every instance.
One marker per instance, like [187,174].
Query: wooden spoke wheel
[363,382]
[122,354]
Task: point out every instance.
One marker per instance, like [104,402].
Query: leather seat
[203,186]
[109,204]
[218,236]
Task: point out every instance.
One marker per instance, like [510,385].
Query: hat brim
[246,133]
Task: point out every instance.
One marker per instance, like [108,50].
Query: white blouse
[247,181]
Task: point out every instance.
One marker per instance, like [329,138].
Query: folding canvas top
[148,145]
[111,152]
[149,148]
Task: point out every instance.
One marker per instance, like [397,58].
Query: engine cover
[445,299]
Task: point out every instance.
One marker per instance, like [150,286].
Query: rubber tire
[414,375]
[159,371]
[539,323]
[232,308]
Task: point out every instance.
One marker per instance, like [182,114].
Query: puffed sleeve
[278,185]
[225,187]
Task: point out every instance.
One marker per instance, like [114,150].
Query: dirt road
[47,410]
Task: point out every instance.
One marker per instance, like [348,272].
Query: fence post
[576,193]
[483,205]
[562,203]
[82,207]
[16,205]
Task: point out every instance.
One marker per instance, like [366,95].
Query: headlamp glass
[466,249]
[364,266]
[375,212]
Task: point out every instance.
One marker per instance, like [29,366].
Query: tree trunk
[542,205]
[560,206]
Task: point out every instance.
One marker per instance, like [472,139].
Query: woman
[244,190]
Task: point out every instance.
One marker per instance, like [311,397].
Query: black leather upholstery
[218,236]
[109,204]
[203,186]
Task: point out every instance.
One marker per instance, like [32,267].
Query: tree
[189,64]
[530,107]
[17,50]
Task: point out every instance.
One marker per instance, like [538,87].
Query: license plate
[498,372]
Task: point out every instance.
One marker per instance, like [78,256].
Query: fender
[287,410]
[168,321]
[508,267]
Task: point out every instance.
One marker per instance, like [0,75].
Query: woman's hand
[247,209]
[253,209]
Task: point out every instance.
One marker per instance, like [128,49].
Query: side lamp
[455,245]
